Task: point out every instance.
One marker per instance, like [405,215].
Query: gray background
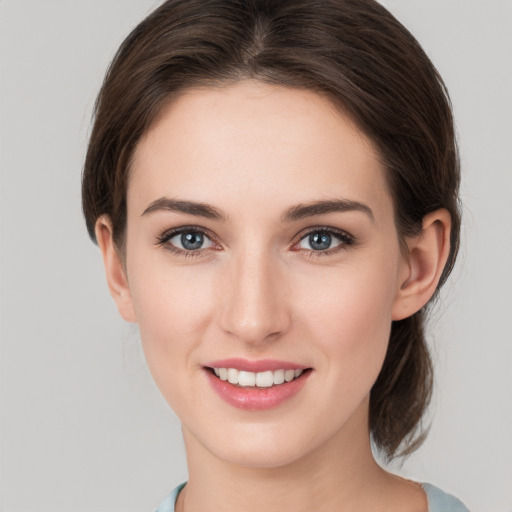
[82,426]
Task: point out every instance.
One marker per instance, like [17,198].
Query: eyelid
[324,229]
[346,239]
[167,235]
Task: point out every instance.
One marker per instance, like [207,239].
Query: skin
[257,289]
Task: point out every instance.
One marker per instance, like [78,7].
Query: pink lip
[252,398]
[262,365]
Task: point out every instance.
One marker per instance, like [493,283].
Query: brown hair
[352,51]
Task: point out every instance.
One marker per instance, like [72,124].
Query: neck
[340,475]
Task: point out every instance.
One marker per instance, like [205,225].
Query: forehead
[258,143]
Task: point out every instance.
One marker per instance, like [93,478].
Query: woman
[273,186]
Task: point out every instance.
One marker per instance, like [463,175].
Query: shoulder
[168,504]
[439,501]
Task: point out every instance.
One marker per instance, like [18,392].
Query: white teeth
[264,379]
[233,376]
[289,375]
[246,379]
[260,379]
[278,376]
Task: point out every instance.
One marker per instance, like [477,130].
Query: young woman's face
[261,238]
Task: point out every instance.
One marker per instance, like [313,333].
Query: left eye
[322,240]
[190,241]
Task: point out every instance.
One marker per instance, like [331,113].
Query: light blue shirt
[438,501]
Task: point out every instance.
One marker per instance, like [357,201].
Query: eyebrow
[190,207]
[292,214]
[302,211]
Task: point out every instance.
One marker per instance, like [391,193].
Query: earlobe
[428,253]
[114,269]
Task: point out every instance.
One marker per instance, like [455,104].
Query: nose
[255,306]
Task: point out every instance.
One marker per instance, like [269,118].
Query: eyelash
[346,241]
[164,238]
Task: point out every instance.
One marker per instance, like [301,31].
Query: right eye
[186,241]
[191,241]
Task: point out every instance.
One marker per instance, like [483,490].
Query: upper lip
[255,366]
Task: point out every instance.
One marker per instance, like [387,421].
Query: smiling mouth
[266,379]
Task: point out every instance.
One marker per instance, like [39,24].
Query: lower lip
[257,399]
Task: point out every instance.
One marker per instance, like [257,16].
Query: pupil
[320,241]
[192,241]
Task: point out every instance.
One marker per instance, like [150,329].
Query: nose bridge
[254,308]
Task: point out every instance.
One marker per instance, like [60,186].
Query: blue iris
[192,240]
[320,241]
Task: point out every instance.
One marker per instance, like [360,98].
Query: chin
[252,455]
[258,445]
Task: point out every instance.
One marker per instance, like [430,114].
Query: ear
[114,269]
[428,253]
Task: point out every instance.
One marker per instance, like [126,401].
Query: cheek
[349,317]
[173,307]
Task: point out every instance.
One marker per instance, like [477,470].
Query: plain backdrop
[83,427]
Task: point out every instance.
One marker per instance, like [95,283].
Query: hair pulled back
[355,53]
